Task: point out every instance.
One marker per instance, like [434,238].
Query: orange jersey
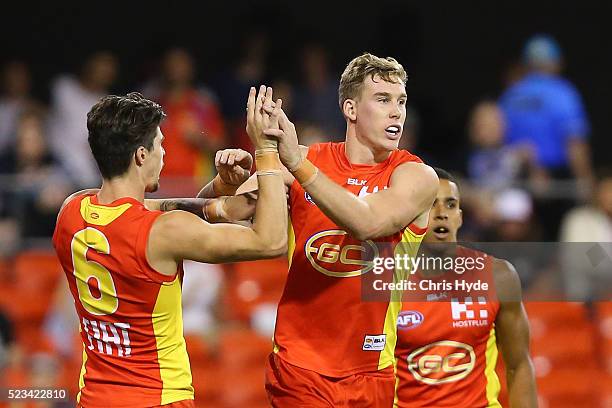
[446,348]
[322,323]
[130,315]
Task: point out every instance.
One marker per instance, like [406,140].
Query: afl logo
[329,253]
[409,320]
[442,362]
[94,215]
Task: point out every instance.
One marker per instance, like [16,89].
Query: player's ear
[349,108]
[140,155]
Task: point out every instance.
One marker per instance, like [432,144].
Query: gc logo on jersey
[330,253]
[409,319]
[442,362]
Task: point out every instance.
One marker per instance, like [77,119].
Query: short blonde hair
[365,65]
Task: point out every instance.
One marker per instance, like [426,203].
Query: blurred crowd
[528,162]
[526,176]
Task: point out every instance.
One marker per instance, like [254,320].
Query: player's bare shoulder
[507,281]
[167,236]
[417,174]
[414,168]
[419,181]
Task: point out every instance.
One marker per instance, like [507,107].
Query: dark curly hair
[118,126]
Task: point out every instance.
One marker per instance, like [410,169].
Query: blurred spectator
[194,129]
[263,319]
[513,209]
[15,98]
[491,164]
[71,99]
[284,90]
[9,227]
[249,70]
[410,131]
[514,72]
[13,370]
[588,278]
[544,113]
[39,185]
[61,325]
[316,99]
[6,338]
[233,85]
[516,228]
[591,223]
[201,286]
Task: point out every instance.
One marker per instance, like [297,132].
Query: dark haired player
[447,346]
[124,262]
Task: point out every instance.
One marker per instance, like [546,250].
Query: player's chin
[389,143]
[434,239]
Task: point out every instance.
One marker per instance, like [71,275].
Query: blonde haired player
[331,348]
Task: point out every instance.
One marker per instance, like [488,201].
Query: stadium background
[455,55]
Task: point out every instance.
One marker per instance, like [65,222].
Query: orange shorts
[289,386]
[178,404]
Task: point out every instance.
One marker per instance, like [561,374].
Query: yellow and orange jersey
[446,347]
[322,323]
[130,315]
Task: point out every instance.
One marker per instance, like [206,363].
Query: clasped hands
[269,128]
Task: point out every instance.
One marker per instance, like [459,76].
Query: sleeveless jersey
[322,322]
[446,348]
[130,315]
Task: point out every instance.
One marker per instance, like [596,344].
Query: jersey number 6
[105,302]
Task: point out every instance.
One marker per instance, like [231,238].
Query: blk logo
[364,191]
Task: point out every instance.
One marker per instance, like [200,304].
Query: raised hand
[233,166]
[288,147]
[259,119]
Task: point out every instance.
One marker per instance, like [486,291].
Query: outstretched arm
[233,168]
[513,337]
[411,192]
[409,196]
[213,210]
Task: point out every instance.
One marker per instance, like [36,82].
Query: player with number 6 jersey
[123,261]
[130,314]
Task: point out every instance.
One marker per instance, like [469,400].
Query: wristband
[213,210]
[305,173]
[266,160]
[269,172]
